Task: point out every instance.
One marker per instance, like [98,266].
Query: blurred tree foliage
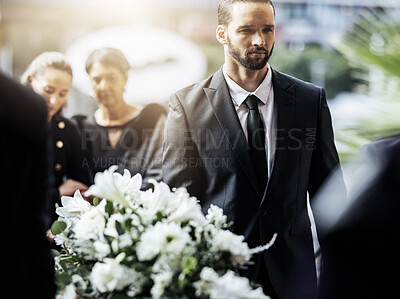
[373,48]
[214,53]
[325,67]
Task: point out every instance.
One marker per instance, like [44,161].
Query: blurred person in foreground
[254,142]
[362,243]
[50,75]
[28,267]
[118,133]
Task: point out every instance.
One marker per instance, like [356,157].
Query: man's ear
[221,34]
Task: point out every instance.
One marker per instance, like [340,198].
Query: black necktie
[256,140]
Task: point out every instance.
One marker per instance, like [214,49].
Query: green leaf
[109,208]
[116,296]
[63,279]
[189,264]
[159,216]
[96,201]
[58,227]
[119,228]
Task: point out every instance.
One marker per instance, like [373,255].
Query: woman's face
[53,84]
[108,83]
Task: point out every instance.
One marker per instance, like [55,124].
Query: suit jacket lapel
[221,103]
[284,101]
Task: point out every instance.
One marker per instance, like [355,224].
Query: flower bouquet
[147,244]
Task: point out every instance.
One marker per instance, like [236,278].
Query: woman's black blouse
[139,148]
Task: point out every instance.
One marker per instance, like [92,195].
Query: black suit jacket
[205,150]
[29,266]
[362,247]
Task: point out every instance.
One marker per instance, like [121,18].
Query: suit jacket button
[58,167]
[59,144]
[61,125]
[263,212]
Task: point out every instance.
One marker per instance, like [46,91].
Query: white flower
[92,223]
[225,240]
[112,276]
[152,230]
[228,286]
[161,199]
[161,281]
[84,248]
[267,246]
[216,216]
[102,249]
[178,204]
[135,288]
[167,238]
[73,207]
[114,186]
[188,210]
[61,239]
[208,274]
[111,229]
[69,292]
[79,282]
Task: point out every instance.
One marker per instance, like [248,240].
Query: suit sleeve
[325,158]
[181,162]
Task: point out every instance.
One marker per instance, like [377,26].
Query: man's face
[251,34]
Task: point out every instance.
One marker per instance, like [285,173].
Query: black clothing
[139,148]
[68,154]
[362,247]
[68,161]
[28,266]
[256,140]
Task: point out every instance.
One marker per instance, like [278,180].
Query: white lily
[161,199]
[114,186]
[188,210]
[73,207]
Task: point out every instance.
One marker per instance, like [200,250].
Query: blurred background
[350,47]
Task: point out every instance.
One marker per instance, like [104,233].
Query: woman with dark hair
[50,75]
[119,133]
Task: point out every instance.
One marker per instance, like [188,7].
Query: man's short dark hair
[224,9]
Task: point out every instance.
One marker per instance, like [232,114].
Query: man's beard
[253,64]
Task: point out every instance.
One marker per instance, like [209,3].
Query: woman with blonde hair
[50,75]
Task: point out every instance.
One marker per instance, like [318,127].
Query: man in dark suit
[362,245]
[29,270]
[213,146]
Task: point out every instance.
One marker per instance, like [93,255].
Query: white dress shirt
[266,94]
